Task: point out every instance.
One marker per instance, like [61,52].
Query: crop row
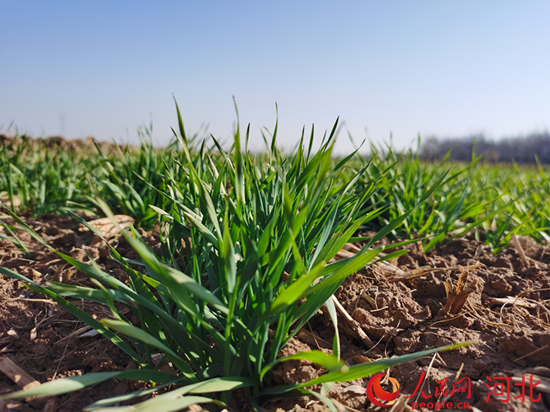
[248,242]
[493,200]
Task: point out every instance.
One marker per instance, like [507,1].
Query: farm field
[202,266]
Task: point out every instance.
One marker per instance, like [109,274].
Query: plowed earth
[506,314]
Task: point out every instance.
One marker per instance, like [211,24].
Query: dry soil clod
[107,228]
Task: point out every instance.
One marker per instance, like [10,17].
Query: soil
[503,307]
[59,142]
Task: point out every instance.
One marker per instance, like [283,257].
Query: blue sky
[445,68]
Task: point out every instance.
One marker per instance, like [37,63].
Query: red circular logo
[375,391]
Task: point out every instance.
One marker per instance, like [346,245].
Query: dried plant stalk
[457,296]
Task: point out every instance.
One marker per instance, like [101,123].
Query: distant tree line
[521,149]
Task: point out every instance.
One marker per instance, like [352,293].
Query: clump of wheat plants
[247,243]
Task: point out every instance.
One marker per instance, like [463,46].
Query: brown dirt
[400,317]
[37,334]
[59,142]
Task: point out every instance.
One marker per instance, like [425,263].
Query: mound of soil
[59,142]
[460,292]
